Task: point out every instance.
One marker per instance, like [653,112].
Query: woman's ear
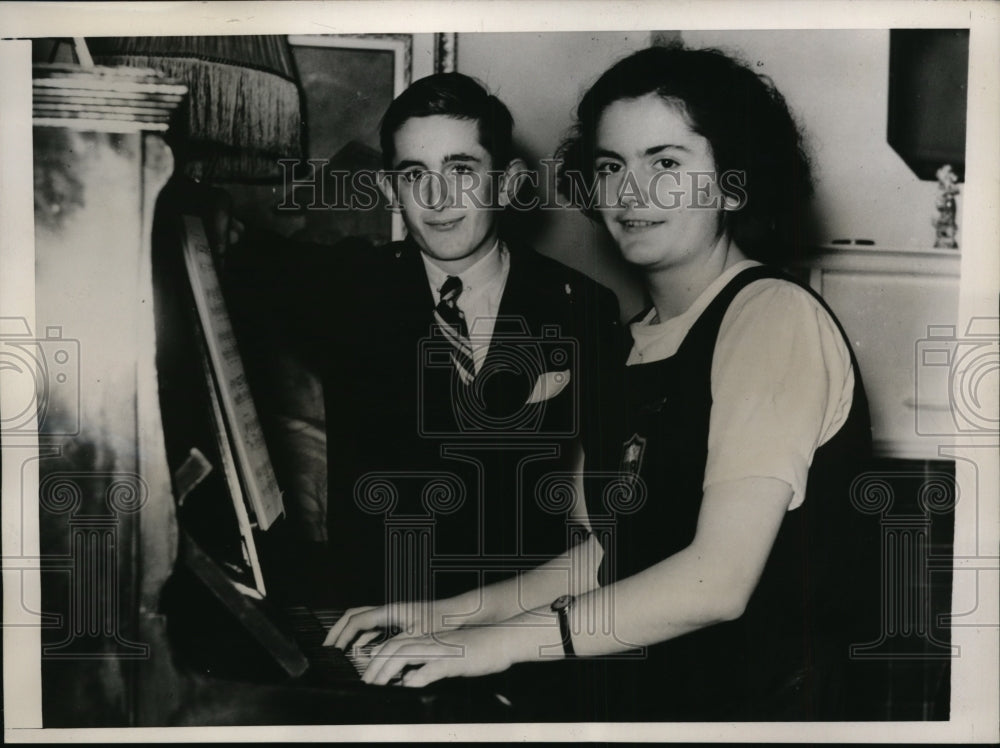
[385,185]
[512,179]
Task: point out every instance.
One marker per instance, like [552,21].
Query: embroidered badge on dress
[632,455]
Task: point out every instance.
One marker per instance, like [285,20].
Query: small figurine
[945,223]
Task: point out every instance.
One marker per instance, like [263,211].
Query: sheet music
[229,469]
[244,426]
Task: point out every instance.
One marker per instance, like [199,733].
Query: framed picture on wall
[348,81]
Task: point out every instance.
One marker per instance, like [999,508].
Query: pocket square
[549,384]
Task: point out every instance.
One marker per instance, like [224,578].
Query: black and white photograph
[530,371]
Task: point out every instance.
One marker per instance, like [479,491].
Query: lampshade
[243,111]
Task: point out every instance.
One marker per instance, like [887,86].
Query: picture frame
[348,81]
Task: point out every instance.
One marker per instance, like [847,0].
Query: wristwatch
[561,607]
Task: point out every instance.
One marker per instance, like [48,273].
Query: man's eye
[461,169]
[607,167]
[666,163]
[412,175]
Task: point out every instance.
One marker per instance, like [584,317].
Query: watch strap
[561,607]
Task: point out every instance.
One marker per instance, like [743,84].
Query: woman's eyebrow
[607,153]
[461,157]
[667,146]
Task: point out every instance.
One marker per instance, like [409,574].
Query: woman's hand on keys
[362,626]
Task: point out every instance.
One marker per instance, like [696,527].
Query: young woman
[723,574]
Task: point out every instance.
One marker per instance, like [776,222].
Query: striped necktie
[452,323]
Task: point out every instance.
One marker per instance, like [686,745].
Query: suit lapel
[408,297]
[414,275]
[521,314]
[392,315]
[522,298]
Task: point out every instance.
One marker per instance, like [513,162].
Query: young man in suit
[469,375]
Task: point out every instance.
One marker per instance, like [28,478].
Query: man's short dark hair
[451,95]
[742,115]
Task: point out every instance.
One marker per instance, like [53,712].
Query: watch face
[562,602]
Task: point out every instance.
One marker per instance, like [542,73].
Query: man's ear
[385,185]
[512,179]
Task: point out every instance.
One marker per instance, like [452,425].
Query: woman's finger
[386,662]
[337,628]
[366,637]
[336,632]
[362,622]
[431,671]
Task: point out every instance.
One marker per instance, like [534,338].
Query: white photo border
[974,680]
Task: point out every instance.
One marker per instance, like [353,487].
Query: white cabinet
[899,308]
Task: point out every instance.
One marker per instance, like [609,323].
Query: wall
[837,83]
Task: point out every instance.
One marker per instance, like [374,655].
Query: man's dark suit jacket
[436,487]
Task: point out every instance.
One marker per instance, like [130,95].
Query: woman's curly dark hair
[741,114]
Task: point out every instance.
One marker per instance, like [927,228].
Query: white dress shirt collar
[486,268]
[482,289]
